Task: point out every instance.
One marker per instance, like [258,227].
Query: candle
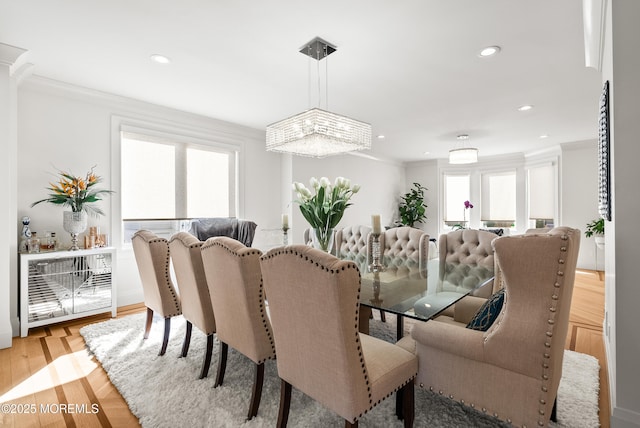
[285,221]
[375,223]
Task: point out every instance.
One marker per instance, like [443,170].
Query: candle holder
[375,265]
[285,236]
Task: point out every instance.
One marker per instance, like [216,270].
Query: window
[541,185]
[164,183]
[456,191]
[498,199]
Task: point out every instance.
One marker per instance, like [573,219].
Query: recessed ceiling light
[160,59]
[544,136]
[427,153]
[462,137]
[489,51]
[526,107]
[380,137]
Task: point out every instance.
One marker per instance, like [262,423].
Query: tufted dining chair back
[403,248]
[342,369]
[194,292]
[466,260]
[160,295]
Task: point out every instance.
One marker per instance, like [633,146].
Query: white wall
[579,197]
[66,127]
[382,184]
[621,67]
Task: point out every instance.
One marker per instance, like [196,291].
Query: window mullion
[181,181]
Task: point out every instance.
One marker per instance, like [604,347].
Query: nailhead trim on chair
[167,276]
[210,243]
[351,265]
[549,333]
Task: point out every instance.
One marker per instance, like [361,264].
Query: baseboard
[623,418]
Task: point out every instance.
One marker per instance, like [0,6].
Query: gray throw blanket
[240,230]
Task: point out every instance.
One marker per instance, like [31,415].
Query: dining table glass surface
[403,287]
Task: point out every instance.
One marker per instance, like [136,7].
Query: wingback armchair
[513,369]
[466,260]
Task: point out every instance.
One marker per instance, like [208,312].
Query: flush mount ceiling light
[489,51]
[463,155]
[316,132]
[160,59]
[525,107]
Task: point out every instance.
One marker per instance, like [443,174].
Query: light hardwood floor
[52,366]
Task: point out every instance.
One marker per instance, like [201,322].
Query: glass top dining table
[403,288]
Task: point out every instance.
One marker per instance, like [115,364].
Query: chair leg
[383,317]
[147,326]
[348,424]
[207,357]
[187,340]
[408,404]
[285,403]
[554,416]
[256,394]
[405,402]
[165,340]
[222,364]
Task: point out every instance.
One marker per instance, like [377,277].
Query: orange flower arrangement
[76,192]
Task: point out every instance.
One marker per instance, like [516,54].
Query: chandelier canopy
[317,132]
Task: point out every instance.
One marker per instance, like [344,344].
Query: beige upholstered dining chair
[235,285]
[513,369]
[466,260]
[351,244]
[194,292]
[403,248]
[160,296]
[313,302]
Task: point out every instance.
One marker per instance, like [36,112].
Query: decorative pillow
[488,312]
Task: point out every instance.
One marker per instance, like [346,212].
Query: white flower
[339,183]
[356,188]
[314,183]
[324,182]
[347,183]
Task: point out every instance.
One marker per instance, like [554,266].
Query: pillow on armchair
[488,312]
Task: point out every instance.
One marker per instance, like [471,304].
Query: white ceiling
[410,67]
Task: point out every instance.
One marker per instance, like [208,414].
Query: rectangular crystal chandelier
[316,132]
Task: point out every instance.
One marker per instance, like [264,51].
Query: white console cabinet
[62,285]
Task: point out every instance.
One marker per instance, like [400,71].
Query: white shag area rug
[166,392]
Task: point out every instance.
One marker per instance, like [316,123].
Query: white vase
[322,239]
[74,223]
[599,241]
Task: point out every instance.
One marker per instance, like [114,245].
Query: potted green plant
[412,208]
[596,227]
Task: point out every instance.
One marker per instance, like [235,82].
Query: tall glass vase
[74,223]
[322,239]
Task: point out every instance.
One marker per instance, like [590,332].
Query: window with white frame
[541,191]
[498,199]
[456,191]
[165,182]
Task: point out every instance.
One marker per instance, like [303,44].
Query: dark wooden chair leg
[222,364]
[285,403]
[383,317]
[207,357]
[147,326]
[408,404]
[257,391]
[554,416]
[165,340]
[348,424]
[187,340]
